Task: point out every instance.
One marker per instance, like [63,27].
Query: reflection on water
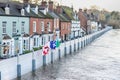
[98,61]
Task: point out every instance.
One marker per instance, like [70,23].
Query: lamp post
[18,64]
[65,47]
[74,43]
[70,44]
[33,61]
[11,48]
[78,40]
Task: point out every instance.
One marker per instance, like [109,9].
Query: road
[98,61]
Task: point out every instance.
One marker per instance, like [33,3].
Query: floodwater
[98,61]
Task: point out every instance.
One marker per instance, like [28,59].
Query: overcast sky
[107,4]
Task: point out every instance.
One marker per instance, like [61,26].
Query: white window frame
[63,26]
[4,23]
[42,25]
[14,30]
[48,25]
[34,26]
[22,27]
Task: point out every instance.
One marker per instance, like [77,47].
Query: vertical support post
[70,49]
[0,75]
[33,62]
[78,45]
[18,70]
[65,51]
[74,47]
[33,65]
[44,60]
[18,64]
[59,54]
[51,56]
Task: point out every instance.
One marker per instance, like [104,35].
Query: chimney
[28,8]
[50,5]
[25,1]
[80,10]
[72,7]
[43,3]
[22,12]
[59,9]
[36,9]
[7,9]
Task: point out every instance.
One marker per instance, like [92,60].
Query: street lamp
[18,64]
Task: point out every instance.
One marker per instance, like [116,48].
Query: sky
[110,5]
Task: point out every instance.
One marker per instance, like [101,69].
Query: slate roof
[53,14]
[68,12]
[25,35]
[5,37]
[34,34]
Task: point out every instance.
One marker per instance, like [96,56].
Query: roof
[34,34]
[53,14]
[69,12]
[25,35]
[6,37]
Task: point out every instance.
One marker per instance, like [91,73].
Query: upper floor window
[48,25]
[63,26]
[14,27]
[4,27]
[22,27]
[42,25]
[34,26]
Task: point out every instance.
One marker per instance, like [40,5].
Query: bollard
[59,54]
[65,51]
[51,56]
[74,47]
[18,70]
[78,46]
[81,44]
[0,75]
[70,49]
[44,60]
[84,42]
[33,65]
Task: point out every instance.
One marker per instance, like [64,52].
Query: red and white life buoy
[45,50]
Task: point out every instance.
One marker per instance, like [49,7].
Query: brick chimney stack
[25,1]
[59,9]
[43,3]
[51,5]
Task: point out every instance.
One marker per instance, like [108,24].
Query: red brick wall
[38,26]
[83,20]
[66,29]
[51,25]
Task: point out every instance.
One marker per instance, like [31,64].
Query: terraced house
[26,26]
[14,25]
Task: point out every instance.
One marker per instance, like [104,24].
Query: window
[34,26]
[63,26]
[25,44]
[48,25]
[42,25]
[37,41]
[22,27]
[22,11]
[7,10]
[14,28]
[49,38]
[4,27]
[34,41]
[42,41]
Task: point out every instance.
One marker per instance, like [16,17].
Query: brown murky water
[98,61]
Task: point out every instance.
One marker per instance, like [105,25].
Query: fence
[9,68]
